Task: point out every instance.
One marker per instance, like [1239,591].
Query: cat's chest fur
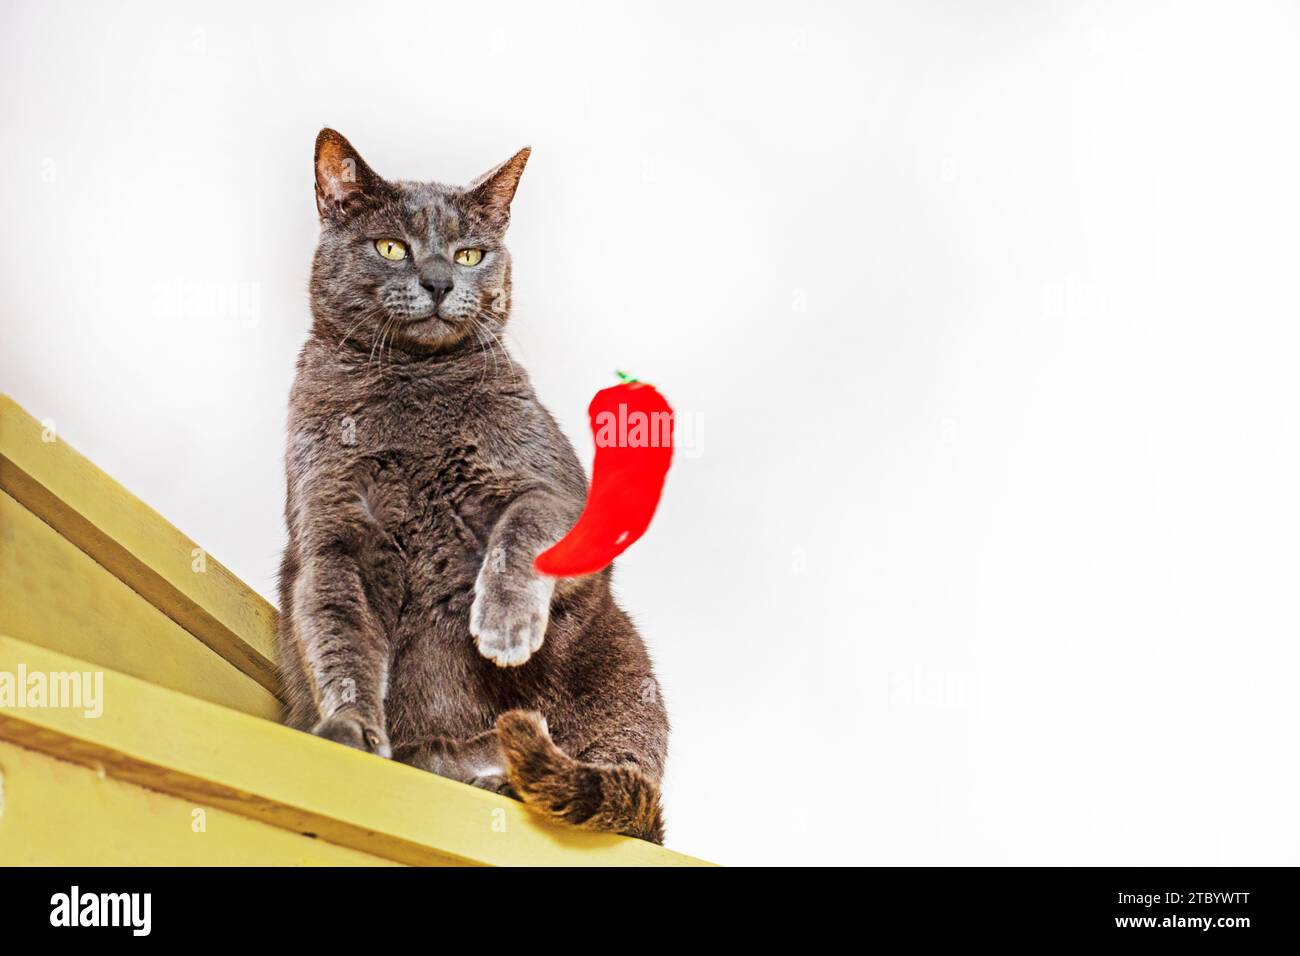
[411,466]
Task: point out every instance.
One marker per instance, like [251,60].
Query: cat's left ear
[494,190]
[344,183]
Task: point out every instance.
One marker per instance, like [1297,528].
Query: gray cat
[423,478]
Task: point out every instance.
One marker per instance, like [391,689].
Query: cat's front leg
[509,616]
[512,602]
[344,651]
[352,729]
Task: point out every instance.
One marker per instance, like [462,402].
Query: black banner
[335,906]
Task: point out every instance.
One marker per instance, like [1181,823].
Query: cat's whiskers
[390,333]
[378,338]
[492,344]
[510,340]
[483,343]
[348,333]
[393,327]
[505,353]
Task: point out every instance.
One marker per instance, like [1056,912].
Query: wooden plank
[54,813]
[157,738]
[55,595]
[135,543]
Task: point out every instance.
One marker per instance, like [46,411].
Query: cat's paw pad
[508,619]
[349,729]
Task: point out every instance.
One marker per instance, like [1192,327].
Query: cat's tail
[595,796]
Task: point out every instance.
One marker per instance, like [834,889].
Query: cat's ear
[344,182]
[494,190]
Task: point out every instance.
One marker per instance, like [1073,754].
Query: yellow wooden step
[215,757]
[94,581]
[138,546]
[43,799]
[54,594]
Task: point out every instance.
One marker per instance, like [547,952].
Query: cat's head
[409,264]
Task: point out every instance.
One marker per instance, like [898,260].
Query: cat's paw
[348,728]
[509,616]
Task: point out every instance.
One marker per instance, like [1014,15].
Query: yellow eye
[391,249]
[469,257]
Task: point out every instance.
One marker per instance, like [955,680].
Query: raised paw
[509,616]
[347,728]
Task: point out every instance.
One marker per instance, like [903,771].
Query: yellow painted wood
[176,744]
[53,594]
[54,813]
[44,474]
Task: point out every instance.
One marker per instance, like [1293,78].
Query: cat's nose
[436,286]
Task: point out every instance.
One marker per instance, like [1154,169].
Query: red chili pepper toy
[633,428]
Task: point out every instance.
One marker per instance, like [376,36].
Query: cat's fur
[423,478]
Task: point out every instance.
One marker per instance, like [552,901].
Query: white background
[981,317]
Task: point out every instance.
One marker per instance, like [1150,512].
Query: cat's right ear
[344,183]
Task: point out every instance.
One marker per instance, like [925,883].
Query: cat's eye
[469,257]
[391,249]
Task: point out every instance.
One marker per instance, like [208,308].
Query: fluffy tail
[616,799]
